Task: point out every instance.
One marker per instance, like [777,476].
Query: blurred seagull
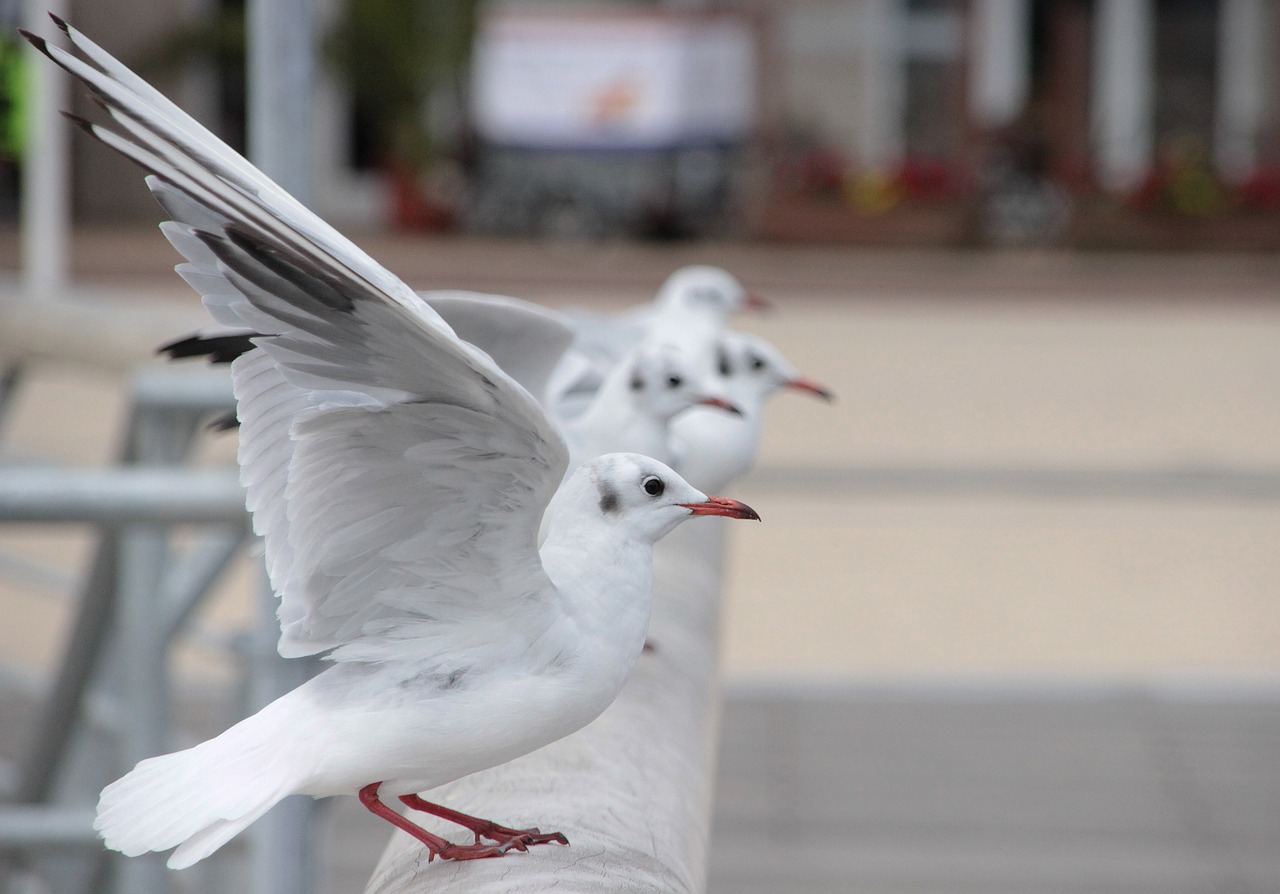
[636,404]
[692,308]
[712,449]
[398,477]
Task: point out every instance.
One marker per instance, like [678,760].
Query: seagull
[398,477]
[712,449]
[636,404]
[691,309]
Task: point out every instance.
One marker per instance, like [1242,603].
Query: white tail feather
[212,837]
[198,798]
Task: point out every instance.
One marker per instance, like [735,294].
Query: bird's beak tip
[812,387]
[721,403]
[723,506]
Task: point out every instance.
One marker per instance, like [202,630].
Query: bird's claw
[519,839]
[516,840]
[522,839]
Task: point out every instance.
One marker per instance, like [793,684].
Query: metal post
[881,135]
[280,73]
[45,202]
[281,70]
[1000,65]
[282,852]
[142,681]
[1242,87]
[1123,90]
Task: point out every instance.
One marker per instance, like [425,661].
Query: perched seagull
[398,477]
[712,449]
[692,308]
[699,294]
[636,404]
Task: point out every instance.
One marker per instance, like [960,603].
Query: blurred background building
[1120,123]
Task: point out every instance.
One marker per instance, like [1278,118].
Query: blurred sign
[613,79]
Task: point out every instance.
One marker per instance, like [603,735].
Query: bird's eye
[757,363]
[674,381]
[637,382]
[653,486]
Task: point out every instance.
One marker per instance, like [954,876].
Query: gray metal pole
[45,205]
[281,72]
[121,496]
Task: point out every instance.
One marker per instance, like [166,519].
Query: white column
[1123,90]
[1242,38]
[881,141]
[45,201]
[999,61]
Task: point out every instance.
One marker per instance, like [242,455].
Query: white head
[638,495]
[755,367]
[660,383]
[702,289]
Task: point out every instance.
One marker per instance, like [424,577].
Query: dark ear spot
[608,497]
[722,361]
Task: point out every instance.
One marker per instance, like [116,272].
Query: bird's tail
[198,799]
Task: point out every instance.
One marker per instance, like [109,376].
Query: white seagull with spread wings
[398,477]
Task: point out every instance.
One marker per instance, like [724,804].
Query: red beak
[721,403]
[722,506]
[803,384]
[758,302]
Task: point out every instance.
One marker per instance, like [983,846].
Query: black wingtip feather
[35,40]
[226,422]
[216,348]
[83,123]
[61,23]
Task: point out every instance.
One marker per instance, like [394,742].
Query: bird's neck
[605,581]
[614,422]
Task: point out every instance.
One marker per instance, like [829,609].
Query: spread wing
[397,475]
[526,340]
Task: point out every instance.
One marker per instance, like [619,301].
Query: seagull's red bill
[802,384]
[721,403]
[758,302]
[722,506]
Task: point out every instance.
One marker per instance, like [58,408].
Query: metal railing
[110,703]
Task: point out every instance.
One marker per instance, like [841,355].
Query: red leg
[519,839]
[436,846]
